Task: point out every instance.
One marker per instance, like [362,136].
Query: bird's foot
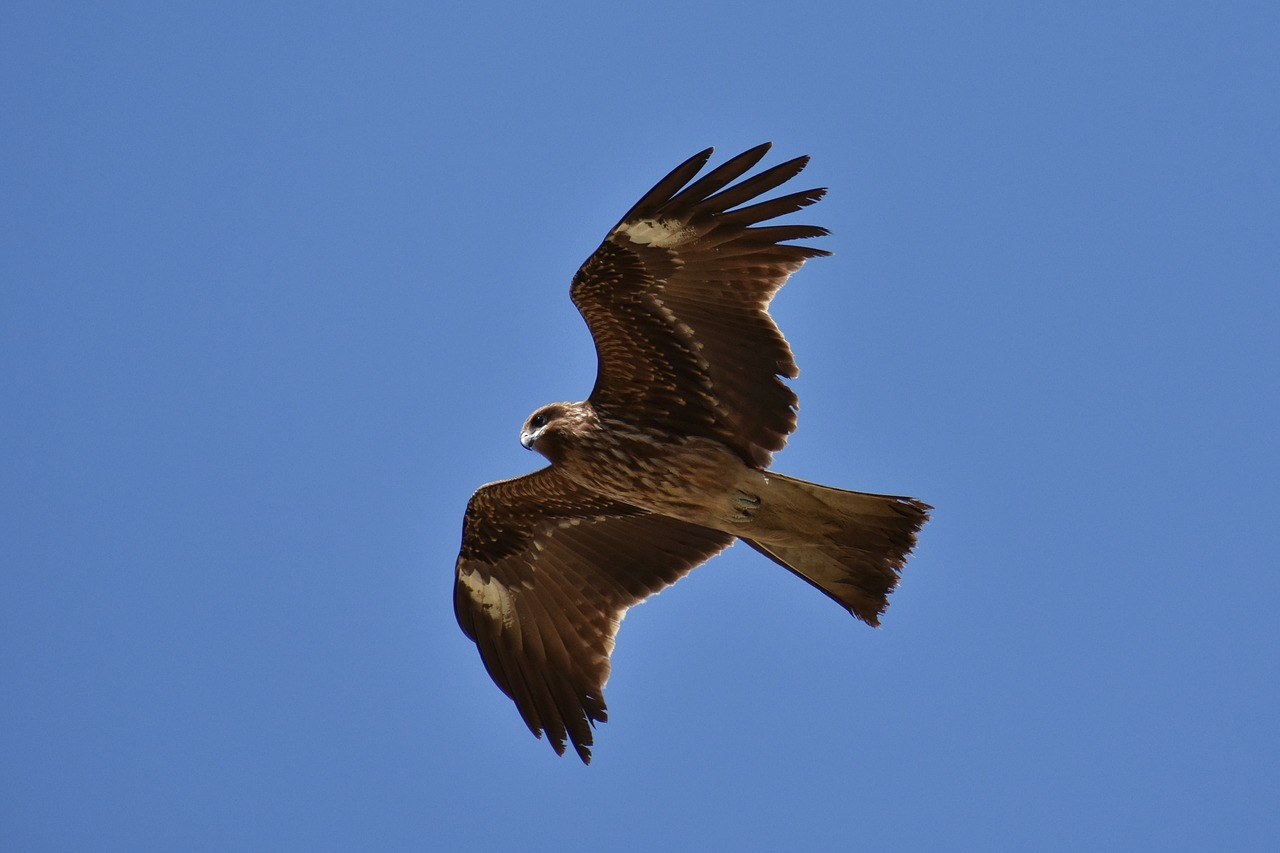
[743,507]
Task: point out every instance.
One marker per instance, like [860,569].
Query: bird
[667,461]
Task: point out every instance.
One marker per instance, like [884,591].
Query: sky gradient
[279,284]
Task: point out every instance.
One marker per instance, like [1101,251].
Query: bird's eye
[538,421]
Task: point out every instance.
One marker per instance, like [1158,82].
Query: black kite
[665,463]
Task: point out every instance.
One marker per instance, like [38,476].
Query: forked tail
[850,545]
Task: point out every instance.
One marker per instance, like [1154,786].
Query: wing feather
[721,176]
[666,188]
[546,571]
[677,301]
[757,185]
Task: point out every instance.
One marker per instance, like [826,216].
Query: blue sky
[279,284]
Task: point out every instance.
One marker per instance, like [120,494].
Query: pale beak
[526,438]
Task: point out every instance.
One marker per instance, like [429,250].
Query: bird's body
[666,463]
[644,470]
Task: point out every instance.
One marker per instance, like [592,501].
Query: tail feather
[852,545]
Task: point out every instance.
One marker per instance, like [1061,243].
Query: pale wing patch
[493,597]
[663,233]
[615,622]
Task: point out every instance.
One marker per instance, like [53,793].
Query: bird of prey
[666,462]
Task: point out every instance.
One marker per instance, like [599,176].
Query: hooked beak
[526,439]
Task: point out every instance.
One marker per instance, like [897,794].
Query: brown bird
[665,463]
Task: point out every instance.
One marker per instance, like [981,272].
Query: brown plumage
[664,464]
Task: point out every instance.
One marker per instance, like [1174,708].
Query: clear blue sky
[279,284]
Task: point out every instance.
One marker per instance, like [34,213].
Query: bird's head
[549,428]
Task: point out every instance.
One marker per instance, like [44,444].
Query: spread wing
[677,300]
[546,572]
